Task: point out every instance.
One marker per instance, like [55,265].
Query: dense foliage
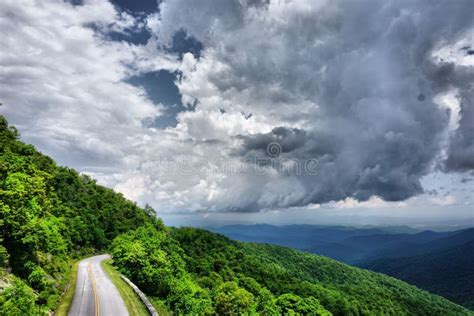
[50,214]
[196,271]
[439,262]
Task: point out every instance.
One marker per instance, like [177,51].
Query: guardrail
[142,296]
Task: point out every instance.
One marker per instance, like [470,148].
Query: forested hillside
[50,214]
[440,262]
[196,271]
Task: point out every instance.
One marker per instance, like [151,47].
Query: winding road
[95,294]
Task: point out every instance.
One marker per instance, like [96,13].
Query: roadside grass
[160,307]
[132,301]
[66,300]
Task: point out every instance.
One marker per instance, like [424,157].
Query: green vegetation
[16,297]
[132,301]
[50,215]
[66,300]
[199,272]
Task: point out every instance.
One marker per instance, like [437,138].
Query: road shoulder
[132,301]
[68,296]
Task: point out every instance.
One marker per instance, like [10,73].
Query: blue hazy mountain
[348,244]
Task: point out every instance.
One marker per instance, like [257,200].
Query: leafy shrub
[17,299]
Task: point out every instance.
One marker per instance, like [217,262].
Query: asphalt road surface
[95,293]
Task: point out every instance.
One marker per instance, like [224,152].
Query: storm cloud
[354,85]
[357,79]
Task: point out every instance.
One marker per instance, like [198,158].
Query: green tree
[291,304]
[230,299]
[17,299]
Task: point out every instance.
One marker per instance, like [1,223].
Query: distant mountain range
[348,244]
[440,262]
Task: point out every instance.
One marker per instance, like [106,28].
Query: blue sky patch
[182,44]
[161,89]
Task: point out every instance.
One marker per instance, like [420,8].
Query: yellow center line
[94,289]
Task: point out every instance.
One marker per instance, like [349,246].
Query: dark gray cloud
[354,83]
[287,140]
[461,146]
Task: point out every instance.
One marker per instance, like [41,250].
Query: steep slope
[48,215]
[220,275]
[449,272]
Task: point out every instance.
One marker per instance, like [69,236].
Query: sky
[244,111]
